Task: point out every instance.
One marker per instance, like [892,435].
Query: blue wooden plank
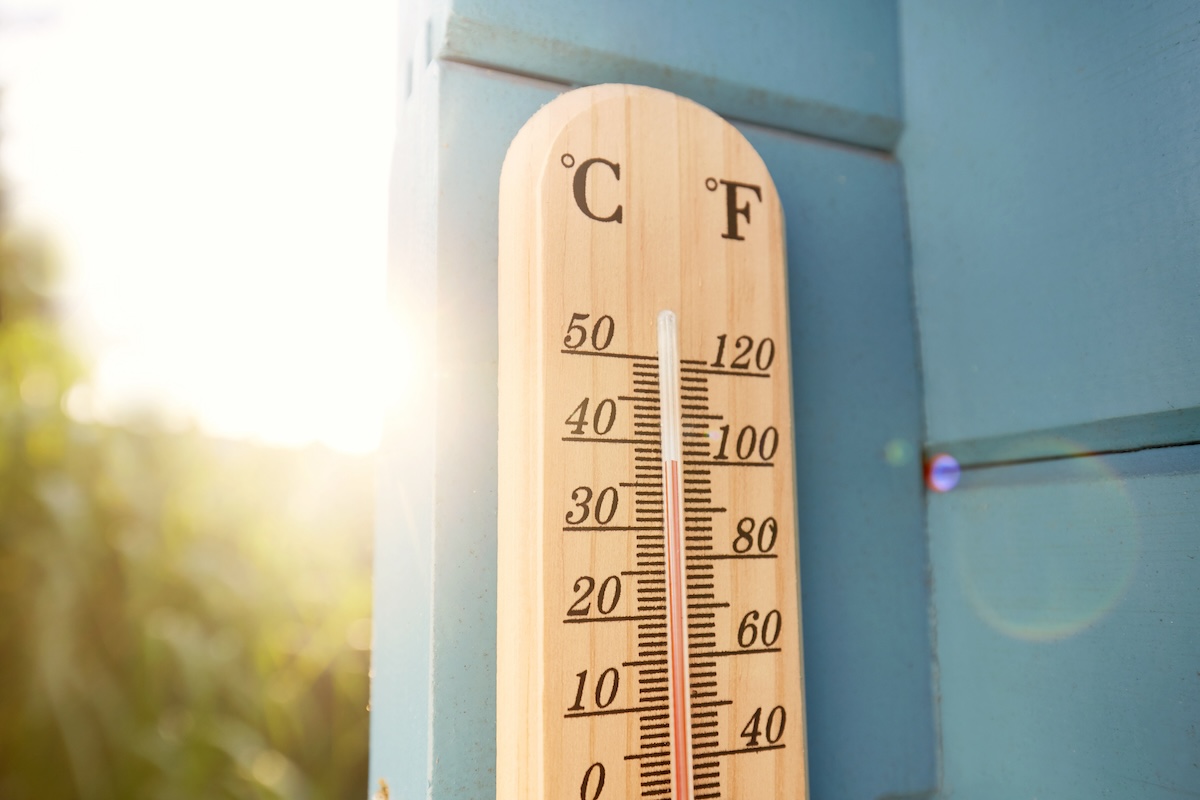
[858,431]
[1125,434]
[1051,162]
[404,504]
[824,67]
[479,113]
[1068,628]
[433,688]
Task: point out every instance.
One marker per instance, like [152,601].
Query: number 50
[577,335]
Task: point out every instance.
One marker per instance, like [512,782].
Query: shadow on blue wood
[1067,596]
[858,432]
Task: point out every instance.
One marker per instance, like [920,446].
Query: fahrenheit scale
[648,614]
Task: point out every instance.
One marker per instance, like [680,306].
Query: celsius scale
[648,614]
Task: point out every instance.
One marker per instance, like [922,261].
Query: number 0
[596,769]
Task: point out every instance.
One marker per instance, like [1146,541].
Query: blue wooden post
[788,72]
[1038,227]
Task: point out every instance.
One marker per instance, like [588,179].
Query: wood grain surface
[618,203]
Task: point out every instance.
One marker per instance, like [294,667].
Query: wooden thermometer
[649,620]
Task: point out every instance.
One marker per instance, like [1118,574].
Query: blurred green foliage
[179,617]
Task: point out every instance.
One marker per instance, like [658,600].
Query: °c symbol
[580,187]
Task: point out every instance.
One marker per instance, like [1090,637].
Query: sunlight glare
[217,177]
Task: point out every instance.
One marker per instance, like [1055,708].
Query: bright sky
[216,176]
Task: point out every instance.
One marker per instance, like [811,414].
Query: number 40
[773,731]
[602,419]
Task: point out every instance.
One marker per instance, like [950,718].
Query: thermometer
[648,631]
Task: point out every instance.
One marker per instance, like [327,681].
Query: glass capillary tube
[673,546]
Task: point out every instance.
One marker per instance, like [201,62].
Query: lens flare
[942,472]
[898,452]
[1046,551]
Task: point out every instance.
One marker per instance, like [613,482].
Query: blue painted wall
[1068,628]
[1052,154]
